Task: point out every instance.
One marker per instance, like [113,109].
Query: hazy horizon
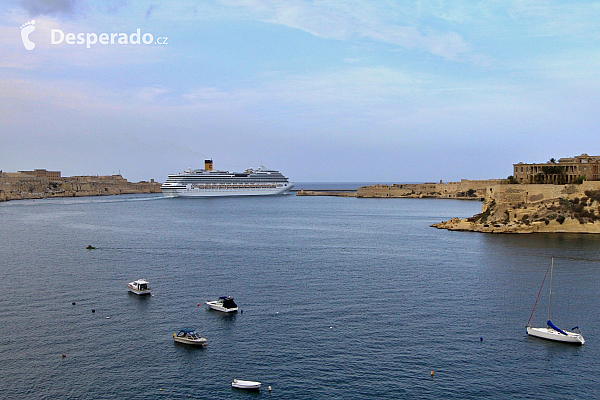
[328,91]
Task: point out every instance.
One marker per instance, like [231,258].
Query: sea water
[340,298]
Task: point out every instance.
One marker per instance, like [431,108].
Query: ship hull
[226,191]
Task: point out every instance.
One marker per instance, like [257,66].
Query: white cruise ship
[208,183]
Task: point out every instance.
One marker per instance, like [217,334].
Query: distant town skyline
[357,91]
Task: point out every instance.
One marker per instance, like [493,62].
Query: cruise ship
[208,183]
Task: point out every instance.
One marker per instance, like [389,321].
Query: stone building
[17,178]
[565,170]
[42,173]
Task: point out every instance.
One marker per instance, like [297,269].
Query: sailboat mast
[550,297]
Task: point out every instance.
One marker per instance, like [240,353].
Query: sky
[323,91]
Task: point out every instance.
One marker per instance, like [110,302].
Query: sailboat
[551,331]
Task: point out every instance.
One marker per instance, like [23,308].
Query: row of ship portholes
[234,187]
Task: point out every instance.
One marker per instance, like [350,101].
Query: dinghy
[249,385]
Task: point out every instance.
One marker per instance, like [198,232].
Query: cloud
[358,19]
[50,7]
[149,10]
[69,8]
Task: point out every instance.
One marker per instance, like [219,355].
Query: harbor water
[340,298]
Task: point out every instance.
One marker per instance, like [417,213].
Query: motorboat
[224,304]
[248,385]
[189,336]
[141,286]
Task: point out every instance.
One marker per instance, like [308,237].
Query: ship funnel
[208,165]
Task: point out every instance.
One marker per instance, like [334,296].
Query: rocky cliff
[535,208]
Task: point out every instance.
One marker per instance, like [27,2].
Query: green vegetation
[593,195]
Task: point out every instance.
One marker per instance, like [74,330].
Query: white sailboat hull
[551,334]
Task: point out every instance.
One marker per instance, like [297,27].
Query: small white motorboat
[224,304]
[248,385]
[189,336]
[141,286]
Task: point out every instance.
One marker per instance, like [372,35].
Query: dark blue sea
[342,298]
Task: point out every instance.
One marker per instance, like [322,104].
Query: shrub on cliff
[578,208]
[593,194]
[560,219]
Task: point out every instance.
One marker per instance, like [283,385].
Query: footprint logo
[26,29]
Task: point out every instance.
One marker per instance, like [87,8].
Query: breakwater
[465,189]
[337,193]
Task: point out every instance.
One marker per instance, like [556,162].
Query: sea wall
[303,192]
[13,188]
[465,189]
[505,208]
[529,208]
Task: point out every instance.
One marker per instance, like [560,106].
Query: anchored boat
[140,287]
[551,331]
[249,385]
[189,336]
[224,304]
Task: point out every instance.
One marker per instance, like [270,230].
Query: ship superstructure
[208,183]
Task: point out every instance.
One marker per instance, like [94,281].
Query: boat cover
[551,325]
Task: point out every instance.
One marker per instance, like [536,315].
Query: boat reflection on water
[226,320]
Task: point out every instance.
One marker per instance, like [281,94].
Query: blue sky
[357,90]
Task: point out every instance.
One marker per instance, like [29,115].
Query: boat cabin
[228,302]
[141,285]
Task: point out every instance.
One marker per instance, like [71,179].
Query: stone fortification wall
[473,189]
[324,193]
[528,208]
[531,193]
[14,186]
